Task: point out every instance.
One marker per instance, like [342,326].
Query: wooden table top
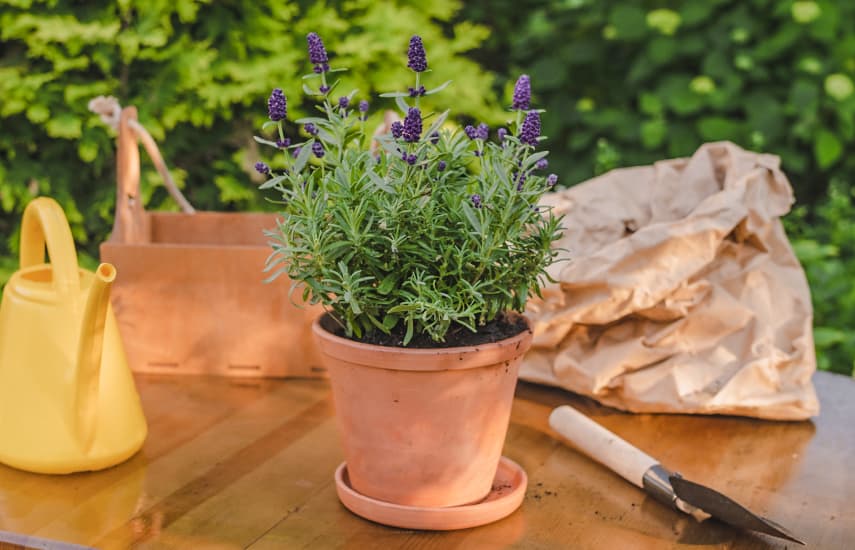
[233,463]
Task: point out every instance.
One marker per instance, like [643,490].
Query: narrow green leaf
[264,141]
[303,157]
[402,105]
[472,217]
[438,122]
[388,284]
[409,335]
[272,182]
[439,88]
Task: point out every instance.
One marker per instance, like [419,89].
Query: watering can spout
[91,345]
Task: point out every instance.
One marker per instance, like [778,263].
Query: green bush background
[625,82]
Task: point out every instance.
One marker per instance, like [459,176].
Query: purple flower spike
[318,149]
[476,200]
[417,92]
[434,138]
[413,125]
[416,58]
[522,93]
[397,129]
[310,129]
[262,168]
[551,180]
[343,102]
[483,131]
[471,131]
[277,105]
[542,164]
[283,143]
[411,159]
[440,166]
[363,106]
[530,130]
[296,152]
[317,53]
[324,89]
[501,132]
[520,182]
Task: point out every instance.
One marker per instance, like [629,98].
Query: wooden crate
[189,296]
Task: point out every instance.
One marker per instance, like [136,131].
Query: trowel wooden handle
[600,444]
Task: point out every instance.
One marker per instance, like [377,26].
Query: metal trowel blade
[726,509]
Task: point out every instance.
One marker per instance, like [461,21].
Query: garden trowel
[646,472]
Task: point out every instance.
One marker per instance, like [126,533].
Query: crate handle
[130,222]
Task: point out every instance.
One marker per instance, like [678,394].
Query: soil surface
[504,326]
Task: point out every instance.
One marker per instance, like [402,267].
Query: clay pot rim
[421,359]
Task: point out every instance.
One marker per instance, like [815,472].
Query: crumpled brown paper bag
[682,293]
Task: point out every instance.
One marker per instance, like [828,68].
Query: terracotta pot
[422,427]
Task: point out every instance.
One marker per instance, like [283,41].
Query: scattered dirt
[504,326]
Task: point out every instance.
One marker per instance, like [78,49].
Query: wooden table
[233,463]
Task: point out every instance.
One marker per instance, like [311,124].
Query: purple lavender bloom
[551,180]
[522,93]
[283,143]
[324,89]
[411,159]
[520,181]
[317,52]
[476,200]
[416,58]
[277,105]
[343,102]
[434,138]
[311,129]
[296,152]
[322,68]
[318,149]
[363,106]
[542,164]
[471,131]
[483,131]
[530,130]
[262,168]
[397,129]
[440,166]
[501,132]
[417,92]
[413,125]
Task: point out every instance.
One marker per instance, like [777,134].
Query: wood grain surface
[237,463]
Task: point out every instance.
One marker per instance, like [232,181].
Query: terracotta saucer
[507,494]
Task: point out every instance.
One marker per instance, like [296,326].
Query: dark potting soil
[504,326]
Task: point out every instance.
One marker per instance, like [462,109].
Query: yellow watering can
[67,398]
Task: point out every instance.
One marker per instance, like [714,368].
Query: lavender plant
[430,231]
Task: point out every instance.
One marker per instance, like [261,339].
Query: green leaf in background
[827,148]
[718,128]
[628,21]
[653,133]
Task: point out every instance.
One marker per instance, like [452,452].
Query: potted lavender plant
[423,252]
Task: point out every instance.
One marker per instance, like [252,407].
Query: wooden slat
[248,464]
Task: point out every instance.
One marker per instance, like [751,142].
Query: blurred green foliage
[824,241]
[200,72]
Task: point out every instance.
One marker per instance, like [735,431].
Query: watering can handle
[45,226]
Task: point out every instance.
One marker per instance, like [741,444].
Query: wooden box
[189,295]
